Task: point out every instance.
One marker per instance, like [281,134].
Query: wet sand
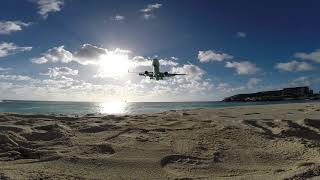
[249,142]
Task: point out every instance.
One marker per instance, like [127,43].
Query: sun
[113,64]
[113,107]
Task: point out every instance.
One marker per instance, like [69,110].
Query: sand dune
[253,142]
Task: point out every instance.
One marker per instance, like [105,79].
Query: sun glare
[116,107]
[113,64]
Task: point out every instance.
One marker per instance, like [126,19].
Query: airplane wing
[166,74]
[146,73]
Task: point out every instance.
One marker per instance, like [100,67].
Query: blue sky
[81,50]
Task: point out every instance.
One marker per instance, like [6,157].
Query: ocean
[82,108]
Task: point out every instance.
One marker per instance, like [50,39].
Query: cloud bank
[7,49]
[60,71]
[117,18]
[294,66]
[47,6]
[313,56]
[243,67]
[149,10]
[211,55]
[56,54]
[8,27]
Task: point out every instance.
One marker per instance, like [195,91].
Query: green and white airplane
[156,74]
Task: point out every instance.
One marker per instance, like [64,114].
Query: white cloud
[89,54]
[191,70]
[142,61]
[305,81]
[148,11]
[253,82]
[62,88]
[182,87]
[223,86]
[120,51]
[7,49]
[148,16]
[136,89]
[195,86]
[243,67]
[5,69]
[117,18]
[56,54]
[314,56]
[139,59]
[151,7]
[187,87]
[241,34]
[226,88]
[47,6]
[7,27]
[166,62]
[294,66]
[65,83]
[60,71]
[211,55]
[14,77]
[174,58]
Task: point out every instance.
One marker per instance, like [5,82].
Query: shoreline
[243,104]
[216,143]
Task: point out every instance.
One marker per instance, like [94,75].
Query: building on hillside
[278,95]
[297,91]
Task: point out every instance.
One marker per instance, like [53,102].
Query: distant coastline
[286,94]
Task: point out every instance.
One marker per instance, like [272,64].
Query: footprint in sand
[11,128]
[261,125]
[28,122]
[4,177]
[48,133]
[104,149]
[312,122]
[98,128]
[93,149]
[171,159]
[310,173]
[189,166]
[184,160]
[226,116]
[288,128]
[248,114]
[44,136]
[13,146]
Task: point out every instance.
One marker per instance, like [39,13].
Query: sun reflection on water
[113,107]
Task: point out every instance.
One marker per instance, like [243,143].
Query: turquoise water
[82,108]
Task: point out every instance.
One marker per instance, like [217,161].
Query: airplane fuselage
[156,67]
[156,74]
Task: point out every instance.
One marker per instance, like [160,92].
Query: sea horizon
[109,101]
[119,107]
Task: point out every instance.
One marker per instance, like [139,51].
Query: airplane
[156,74]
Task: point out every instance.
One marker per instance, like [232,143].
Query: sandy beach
[249,142]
